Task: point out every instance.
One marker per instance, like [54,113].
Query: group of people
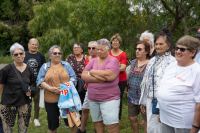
[164,88]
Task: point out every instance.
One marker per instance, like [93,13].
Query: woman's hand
[143,108]
[56,90]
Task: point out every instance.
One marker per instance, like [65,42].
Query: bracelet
[89,73]
[196,127]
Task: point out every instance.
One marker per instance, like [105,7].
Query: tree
[64,22]
[14,17]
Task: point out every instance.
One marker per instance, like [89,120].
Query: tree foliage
[64,22]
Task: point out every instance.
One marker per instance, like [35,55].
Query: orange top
[54,77]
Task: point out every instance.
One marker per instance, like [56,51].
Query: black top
[35,61]
[12,94]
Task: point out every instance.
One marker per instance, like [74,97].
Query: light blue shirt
[46,66]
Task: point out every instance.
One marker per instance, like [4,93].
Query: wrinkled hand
[85,87]
[56,90]
[143,108]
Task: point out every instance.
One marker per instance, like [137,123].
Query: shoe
[36,122]
[79,131]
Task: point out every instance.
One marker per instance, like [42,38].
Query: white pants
[153,126]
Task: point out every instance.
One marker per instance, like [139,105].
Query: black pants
[122,85]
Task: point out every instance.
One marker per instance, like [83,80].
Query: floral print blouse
[71,59]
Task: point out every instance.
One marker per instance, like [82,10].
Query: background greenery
[64,22]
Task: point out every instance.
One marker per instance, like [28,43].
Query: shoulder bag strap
[20,78]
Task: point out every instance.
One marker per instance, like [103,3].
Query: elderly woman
[101,73]
[149,37]
[138,67]
[122,58]
[153,74]
[77,61]
[13,100]
[50,76]
[179,93]
[35,60]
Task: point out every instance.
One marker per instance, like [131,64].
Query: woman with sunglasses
[13,100]
[136,74]
[153,74]
[50,76]
[77,61]
[122,58]
[179,90]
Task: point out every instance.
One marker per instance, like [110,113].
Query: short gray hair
[104,42]
[150,35]
[92,42]
[16,46]
[51,50]
[33,39]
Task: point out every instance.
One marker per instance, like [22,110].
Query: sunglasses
[140,49]
[181,49]
[93,48]
[115,41]
[18,54]
[57,53]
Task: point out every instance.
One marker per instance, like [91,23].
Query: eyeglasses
[35,45]
[18,54]
[57,53]
[93,48]
[76,47]
[181,49]
[115,41]
[140,49]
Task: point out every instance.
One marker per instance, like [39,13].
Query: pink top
[106,91]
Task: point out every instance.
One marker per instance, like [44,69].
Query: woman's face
[102,52]
[146,38]
[140,51]
[56,55]
[33,46]
[18,56]
[115,43]
[161,46]
[77,49]
[185,56]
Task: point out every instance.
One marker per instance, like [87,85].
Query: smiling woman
[13,99]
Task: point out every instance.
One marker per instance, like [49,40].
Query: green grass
[5,59]
[125,126]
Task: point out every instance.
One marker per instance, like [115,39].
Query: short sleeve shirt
[71,59]
[122,58]
[12,94]
[106,91]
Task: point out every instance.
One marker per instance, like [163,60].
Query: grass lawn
[125,126]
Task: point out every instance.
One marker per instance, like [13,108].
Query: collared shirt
[46,66]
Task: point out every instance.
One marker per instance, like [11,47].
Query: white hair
[150,35]
[51,50]
[104,42]
[33,39]
[92,42]
[16,46]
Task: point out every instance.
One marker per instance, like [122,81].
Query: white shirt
[179,91]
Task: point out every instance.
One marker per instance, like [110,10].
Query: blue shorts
[107,111]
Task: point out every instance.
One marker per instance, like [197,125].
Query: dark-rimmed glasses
[93,48]
[57,53]
[181,49]
[140,49]
[18,54]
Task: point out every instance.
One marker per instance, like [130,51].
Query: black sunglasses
[140,49]
[57,53]
[93,48]
[181,49]
[18,54]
